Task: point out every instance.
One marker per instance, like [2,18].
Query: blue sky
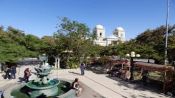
[39,17]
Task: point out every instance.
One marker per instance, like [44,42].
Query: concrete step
[5,83]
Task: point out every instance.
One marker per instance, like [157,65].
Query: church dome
[119,32]
[119,29]
[99,27]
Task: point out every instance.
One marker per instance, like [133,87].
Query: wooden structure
[118,62]
[119,68]
[167,80]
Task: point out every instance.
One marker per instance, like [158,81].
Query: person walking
[13,72]
[7,73]
[27,74]
[82,68]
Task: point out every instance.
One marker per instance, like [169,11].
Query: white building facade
[102,40]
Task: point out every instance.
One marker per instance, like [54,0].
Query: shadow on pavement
[74,73]
[97,69]
[21,79]
[89,93]
[138,85]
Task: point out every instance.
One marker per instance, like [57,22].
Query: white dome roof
[119,29]
[99,26]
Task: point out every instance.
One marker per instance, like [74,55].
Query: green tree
[74,36]
[12,46]
[150,44]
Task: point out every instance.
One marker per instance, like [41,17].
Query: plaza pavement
[95,85]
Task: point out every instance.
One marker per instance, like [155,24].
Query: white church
[118,36]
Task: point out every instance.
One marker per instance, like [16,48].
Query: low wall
[70,94]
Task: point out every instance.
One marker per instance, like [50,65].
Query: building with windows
[102,40]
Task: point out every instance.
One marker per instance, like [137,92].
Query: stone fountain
[42,86]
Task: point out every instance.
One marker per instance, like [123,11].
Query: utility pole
[166,35]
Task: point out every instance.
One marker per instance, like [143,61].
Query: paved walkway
[95,85]
[107,87]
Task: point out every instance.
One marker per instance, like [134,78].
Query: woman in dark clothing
[7,73]
[27,74]
[13,72]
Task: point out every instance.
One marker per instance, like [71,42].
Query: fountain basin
[36,85]
[24,91]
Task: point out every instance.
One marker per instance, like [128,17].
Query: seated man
[76,86]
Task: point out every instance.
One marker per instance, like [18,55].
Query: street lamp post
[166,34]
[132,55]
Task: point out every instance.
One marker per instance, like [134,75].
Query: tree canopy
[13,45]
[150,44]
[73,42]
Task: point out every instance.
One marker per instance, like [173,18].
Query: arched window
[100,34]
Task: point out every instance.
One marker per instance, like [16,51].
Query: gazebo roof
[154,67]
[125,62]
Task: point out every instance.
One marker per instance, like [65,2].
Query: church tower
[99,31]
[120,33]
